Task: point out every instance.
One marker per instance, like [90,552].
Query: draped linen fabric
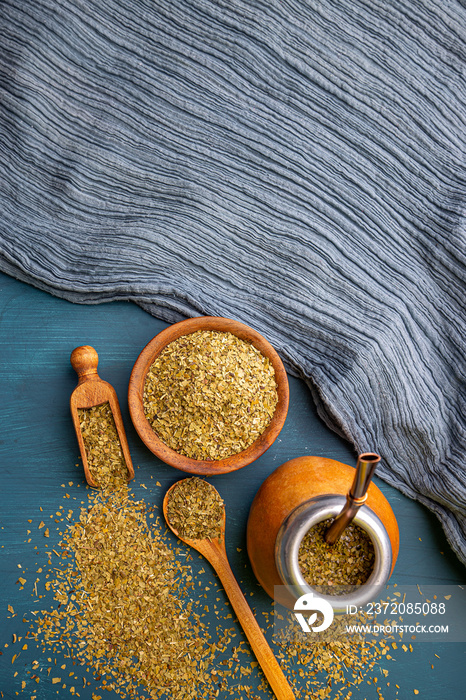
[297,165]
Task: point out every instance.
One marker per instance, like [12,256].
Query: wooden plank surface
[39,459]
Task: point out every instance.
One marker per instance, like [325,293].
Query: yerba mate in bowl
[208,395]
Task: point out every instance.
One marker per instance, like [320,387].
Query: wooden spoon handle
[259,644]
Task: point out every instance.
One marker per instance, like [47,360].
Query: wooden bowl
[145,430]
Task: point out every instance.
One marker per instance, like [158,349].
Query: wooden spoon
[215,553]
[94,391]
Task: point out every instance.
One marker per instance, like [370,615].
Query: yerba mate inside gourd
[209,395]
[336,569]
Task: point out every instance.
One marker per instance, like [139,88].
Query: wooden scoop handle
[84,361]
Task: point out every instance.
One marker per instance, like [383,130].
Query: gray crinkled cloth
[296,165]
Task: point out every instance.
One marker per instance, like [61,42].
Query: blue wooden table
[39,455]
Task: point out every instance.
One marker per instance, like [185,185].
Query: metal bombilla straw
[356,496]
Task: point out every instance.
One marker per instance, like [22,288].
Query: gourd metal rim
[295,527]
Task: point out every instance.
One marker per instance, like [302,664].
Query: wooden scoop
[215,553]
[94,391]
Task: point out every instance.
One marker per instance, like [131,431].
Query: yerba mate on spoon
[98,423]
[195,513]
